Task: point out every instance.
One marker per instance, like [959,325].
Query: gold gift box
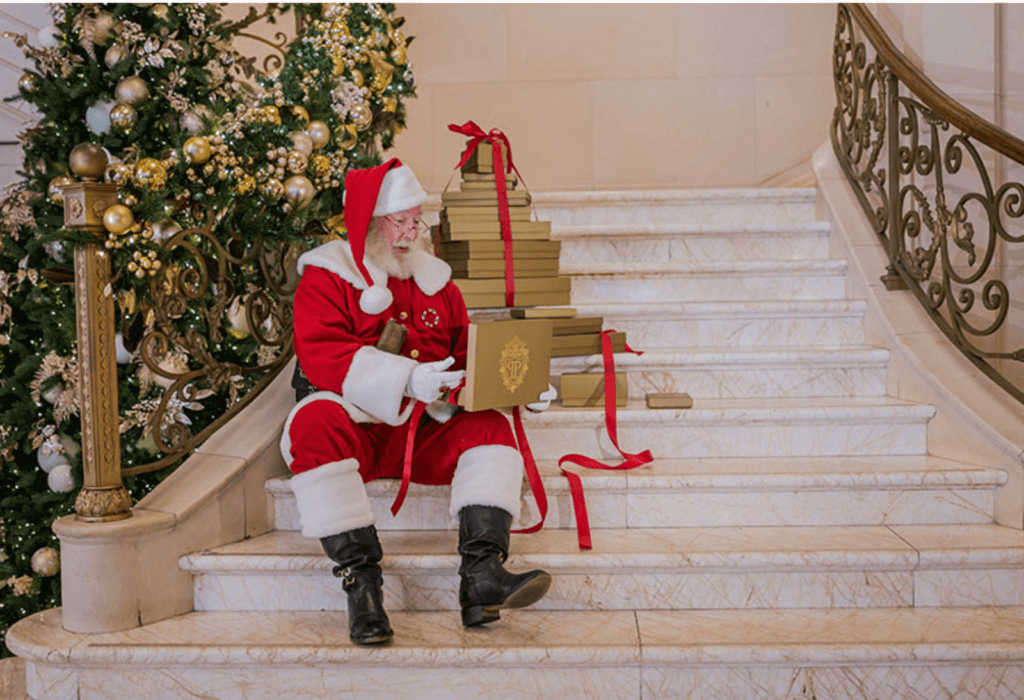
[508,363]
[587,389]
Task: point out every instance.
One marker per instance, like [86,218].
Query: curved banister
[931,94]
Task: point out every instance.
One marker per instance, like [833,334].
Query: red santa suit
[354,427]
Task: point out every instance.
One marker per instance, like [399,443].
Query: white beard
[379,253]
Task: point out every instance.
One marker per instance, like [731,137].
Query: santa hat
[386,189]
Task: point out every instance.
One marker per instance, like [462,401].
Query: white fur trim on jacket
[376,382]
[489,475]
[332,499]
[429,272]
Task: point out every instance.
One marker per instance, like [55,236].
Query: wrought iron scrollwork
[925,184]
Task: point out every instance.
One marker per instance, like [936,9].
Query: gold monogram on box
[508,363]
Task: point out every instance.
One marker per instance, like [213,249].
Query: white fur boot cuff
[331,499]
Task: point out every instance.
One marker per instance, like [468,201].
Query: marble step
[743,373]
[646,569]
[684,242]
[777,427]
[896,654]
[610,283]
[751,492]
[736,324]
[694,207]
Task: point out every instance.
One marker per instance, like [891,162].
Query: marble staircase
[794,538]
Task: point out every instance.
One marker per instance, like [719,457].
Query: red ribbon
[410,440]
[495,137]
[630,461]
[532,474]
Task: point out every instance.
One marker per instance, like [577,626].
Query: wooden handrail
[932,95]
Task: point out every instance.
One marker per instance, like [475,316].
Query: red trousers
[322,432]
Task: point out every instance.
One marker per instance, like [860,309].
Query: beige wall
[602,96]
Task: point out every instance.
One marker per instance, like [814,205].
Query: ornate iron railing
[921,165]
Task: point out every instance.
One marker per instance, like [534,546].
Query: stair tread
[551,638]
[670,196]
[627,229]
[739,267]
[802,355]
[639,550]
[756,309]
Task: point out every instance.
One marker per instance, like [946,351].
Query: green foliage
[201,270]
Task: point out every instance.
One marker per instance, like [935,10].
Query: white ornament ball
[48,461]
[46,561]
[123,356]
[60,479]
[49,37]
[97,117]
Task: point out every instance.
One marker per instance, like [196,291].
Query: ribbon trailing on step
[630,461]
[495,137]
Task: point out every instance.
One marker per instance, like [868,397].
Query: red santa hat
[386,189]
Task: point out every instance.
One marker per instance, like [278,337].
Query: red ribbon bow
[495,137]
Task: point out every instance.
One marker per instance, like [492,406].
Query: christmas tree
[218,184]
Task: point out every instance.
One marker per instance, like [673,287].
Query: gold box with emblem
[508,363]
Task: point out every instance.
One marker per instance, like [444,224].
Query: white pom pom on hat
[386,189]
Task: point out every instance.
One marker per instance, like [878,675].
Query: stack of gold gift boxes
[469,239]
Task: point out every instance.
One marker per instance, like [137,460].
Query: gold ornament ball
[162,230]
[272,188]
[297,162]
[319,165]
[27,82]
[319,133]
[197,150]
[132,90]
[302,143]
[88,161]
[299,191]
[271,114]
[46,561]
[302,114]
[361,115]
[55,190]
[119,174]
[149,174]
[118,219]
[347,137]
[114,55]
[123,116]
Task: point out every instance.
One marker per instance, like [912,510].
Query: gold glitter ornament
[197,149]
[27,82]
[149,174]
[319,165]
[46,561]
[55,190]
[119,174]
[128,199]
[390,104]
[357,78]
[114,55]
[302,143]
[271,114]
[132,90]
[297,162]
[159,11]
[118,219]
[123,116]
[398,55]
[299,191]
[361,115]
[246,185]
[319,133]
[272,188]
[301,114]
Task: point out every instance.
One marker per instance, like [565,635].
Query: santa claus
[353,427]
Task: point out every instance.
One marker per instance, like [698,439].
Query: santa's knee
[488,475]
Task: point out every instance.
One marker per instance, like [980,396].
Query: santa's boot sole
[527,594]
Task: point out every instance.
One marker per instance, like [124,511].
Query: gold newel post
[103,496]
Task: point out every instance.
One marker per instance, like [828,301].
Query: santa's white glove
[429,379]
[544,400]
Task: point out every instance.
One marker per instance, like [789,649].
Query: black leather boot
[357,553]
[485,586]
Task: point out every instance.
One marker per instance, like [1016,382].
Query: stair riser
[626,590]
[658,287]
[739,332]
[692,248]
[754,382]
[690,213]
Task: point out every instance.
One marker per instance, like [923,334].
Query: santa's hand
[429,379]
[543,401]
